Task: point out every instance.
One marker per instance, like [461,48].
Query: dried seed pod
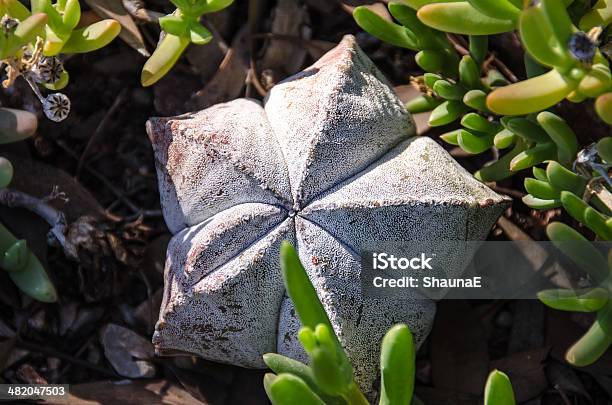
[49,69]
[56,106]
[8,24]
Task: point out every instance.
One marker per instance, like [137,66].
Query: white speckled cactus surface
[329,163]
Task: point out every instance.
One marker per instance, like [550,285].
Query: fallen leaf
[526,372]
[159,392]
[459,357]
[129,30]
[122,347]
[229,80]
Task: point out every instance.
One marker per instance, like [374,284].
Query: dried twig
[54,217]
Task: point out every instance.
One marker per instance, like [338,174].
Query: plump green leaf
[476,99]
[595,342]
[496,8]
[383,29]
[498,390]
[564,179]
[397,366]
[501,168]
[589,300]
[527,129]
[531,95]
[475,142]
[6,172]
[282,364]
[579,249]
[448,90]
[92,37]
[479,45]
[31,277]
[469,74]
[163,58]
[446,113]
[444,17]
[541,189]
[451,137]
[422,103]
[287,389]
[603,107]
[604,149]
[539,40]
[561,134]
[430,61]
[16,125]
[479,123]
[533,156]
[600,15]
[540,203]
[504,139]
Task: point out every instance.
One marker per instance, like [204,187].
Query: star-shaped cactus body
[330,163]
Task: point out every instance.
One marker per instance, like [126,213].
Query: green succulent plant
[22,266]
[598,338]
[562,61]
[181,28]
[328,379]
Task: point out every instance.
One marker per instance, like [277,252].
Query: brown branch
[55,218]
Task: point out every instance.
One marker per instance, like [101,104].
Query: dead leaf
[122,346]
[284,57]
[526,371]
[160,392]
[459,357]
[129,30]
[229,80]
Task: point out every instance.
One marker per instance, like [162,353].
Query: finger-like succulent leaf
[282,364]
[595,342]
[597,81]
[498,390]
[578,249]
[445,17]
[16,125]
[448,90]
[541,189]
[163,58]
[531,95]
[603,106]
[6,172]
[565,179]
[600,15]
[478,123]
[92,37]
[527,129]
[446,113]
[476,99]
[31,278]
[287,389]
[533,156]
[561,134]
[451,137]
[383,29]
[300,290]
[538,39]
[504,139]
[539,203]
[397,366]
[469,74]
[474,142]
[496,8]
[575,300]
[501,168]
[422,103]
[604,149]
